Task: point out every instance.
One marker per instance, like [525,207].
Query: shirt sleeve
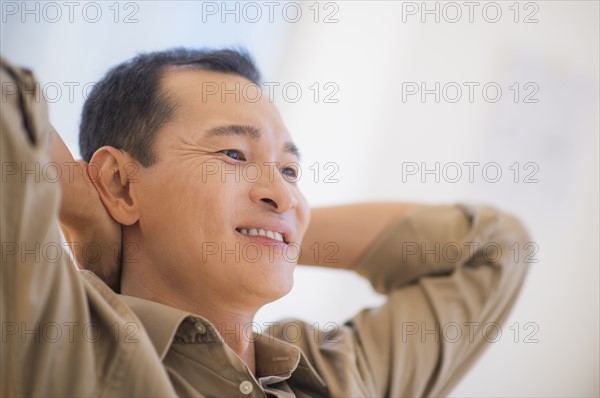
[62,335]
[452,274]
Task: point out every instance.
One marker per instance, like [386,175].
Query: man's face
[224,171]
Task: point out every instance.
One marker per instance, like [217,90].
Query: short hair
[126,108]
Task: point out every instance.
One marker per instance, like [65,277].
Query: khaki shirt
[451,275]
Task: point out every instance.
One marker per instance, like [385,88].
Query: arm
[448,271]
[38,287]
[60,329]
[338,236]
[444,306]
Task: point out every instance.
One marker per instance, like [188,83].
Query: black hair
[126,108]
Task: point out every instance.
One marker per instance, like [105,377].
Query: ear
[111,171]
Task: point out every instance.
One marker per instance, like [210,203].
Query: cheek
[213,203]
[168,199]
[190,204]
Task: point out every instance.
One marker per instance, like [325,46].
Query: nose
[273,190]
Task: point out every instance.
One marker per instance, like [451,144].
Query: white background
[369,51]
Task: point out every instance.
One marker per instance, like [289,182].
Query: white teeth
[262,232]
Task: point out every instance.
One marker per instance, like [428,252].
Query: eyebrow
[248,131]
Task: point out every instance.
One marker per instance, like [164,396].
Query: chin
[276,285]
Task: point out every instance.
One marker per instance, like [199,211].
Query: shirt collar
[276,360]
[160,321]
[274,357]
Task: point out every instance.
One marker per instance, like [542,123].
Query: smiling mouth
[278,236]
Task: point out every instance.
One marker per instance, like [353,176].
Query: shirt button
[246,387]
[199,326]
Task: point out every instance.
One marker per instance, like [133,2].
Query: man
[199,250]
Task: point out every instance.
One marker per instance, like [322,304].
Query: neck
[234,324]
[236,330]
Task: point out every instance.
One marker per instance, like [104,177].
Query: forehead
[209,99]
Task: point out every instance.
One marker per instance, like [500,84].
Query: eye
[291,173]
[234,154]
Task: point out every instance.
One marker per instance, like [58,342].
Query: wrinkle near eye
[193,150]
